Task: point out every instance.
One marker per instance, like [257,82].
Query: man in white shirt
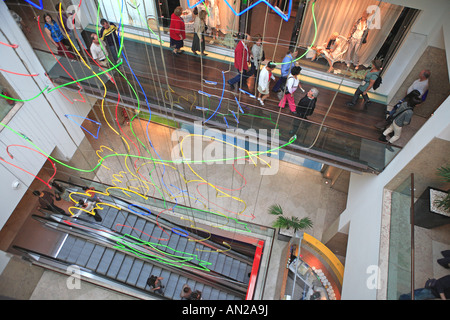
[263,82]
[97,53]
[420,84]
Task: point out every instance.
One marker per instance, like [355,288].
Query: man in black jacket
[305,108]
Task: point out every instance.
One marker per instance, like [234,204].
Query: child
[263,82]
[292,84]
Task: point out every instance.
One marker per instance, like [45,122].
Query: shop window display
[350,34]
[135,12]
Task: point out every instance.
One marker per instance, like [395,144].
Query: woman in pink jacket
[292,84]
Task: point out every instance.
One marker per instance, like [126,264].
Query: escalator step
[109,217]
[205,254]
[232,297]
[76,250]
[138,228]
[125,269]
[190,247]
[182,243]
[129,223]
[219,265]
[156,271]
[66,247]
[119,221]
[85,254]
[173,241]
[158,234]
[181,282]
[212,259]
[170,285]
[95,257]
[206,293]
[248,270]
[115,265]
[227,266]
[148,230]
[214,294]
[241,275]
[222,295]
[234,269]
[144,275]
[105,261]
[135,271]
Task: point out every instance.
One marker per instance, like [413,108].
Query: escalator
[127,247]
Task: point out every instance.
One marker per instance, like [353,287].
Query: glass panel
[399,269]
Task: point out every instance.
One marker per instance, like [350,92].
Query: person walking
[263,82]
[241,62]
[305,108]
[46,201]
[401,118]
[54,33]
[198,43]
[292,84]
[369,80]
[108,33]
[286,65]
[177,31]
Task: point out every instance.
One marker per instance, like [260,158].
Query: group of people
[206,17]
[247,62]
[400,115]
[57,34]
[155,284]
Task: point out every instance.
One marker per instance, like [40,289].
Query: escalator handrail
[221,282]
[29,256]
[169,225]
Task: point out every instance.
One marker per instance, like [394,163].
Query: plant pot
[426,213]
[285,235]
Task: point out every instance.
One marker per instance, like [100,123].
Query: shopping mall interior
[147,162]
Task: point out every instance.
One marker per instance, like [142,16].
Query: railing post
[412,235]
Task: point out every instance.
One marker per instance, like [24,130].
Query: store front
[334,36]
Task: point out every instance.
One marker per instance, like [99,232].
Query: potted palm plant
[432,208]
[442,199]
[283,222]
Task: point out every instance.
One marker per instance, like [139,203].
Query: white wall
[41,119]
